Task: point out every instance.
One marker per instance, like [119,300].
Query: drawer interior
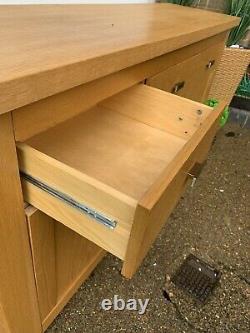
[117,150]
[126,141]
[112,158]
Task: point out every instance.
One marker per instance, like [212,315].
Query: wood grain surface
[51,48]
[18,297]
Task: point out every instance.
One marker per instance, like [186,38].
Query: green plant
[240,8]
[244,87]
[180,2]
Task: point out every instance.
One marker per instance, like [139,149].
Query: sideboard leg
[19,311]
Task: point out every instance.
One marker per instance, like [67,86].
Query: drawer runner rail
[97,216]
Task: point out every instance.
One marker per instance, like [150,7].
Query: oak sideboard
[102,125]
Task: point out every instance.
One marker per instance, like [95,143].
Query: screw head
[199,112]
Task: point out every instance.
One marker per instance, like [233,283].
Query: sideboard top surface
[47,49]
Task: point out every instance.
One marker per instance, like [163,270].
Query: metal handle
[178,87]
[193,179]
[210,64]
[195,172]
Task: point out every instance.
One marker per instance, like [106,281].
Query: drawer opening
[126,141]
[113,158]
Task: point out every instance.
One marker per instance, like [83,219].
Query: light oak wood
[62,261]
[114,241]
[42,239]
[157,204]
[75,254]
[123,146]
[78,185]
[66,46]
[74,286]
[118,151]
[18,299]
[194,73]
[154,193]
[57,62]
[4,328]
[48,112]
[177,116]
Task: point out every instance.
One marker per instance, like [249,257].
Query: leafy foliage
[244,87]
[240,8]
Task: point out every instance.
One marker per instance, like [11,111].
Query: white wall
[10,2]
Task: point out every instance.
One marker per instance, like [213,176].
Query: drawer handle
[193,179]
[99,217]
[210,64]
[178,86]
[195,172]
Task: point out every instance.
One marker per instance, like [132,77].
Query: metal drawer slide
[97,216]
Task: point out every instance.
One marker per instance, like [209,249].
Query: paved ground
[211,221]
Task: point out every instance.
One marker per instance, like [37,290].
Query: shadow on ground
[212,220]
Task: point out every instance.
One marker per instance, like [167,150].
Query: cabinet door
[62,261]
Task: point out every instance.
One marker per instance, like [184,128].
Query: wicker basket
[229,73]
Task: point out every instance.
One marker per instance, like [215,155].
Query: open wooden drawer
[114,173]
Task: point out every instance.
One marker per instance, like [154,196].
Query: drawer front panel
[190,78]
[37,117]
[112,240]
[161,202]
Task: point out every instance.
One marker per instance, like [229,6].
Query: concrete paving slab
[212,220]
